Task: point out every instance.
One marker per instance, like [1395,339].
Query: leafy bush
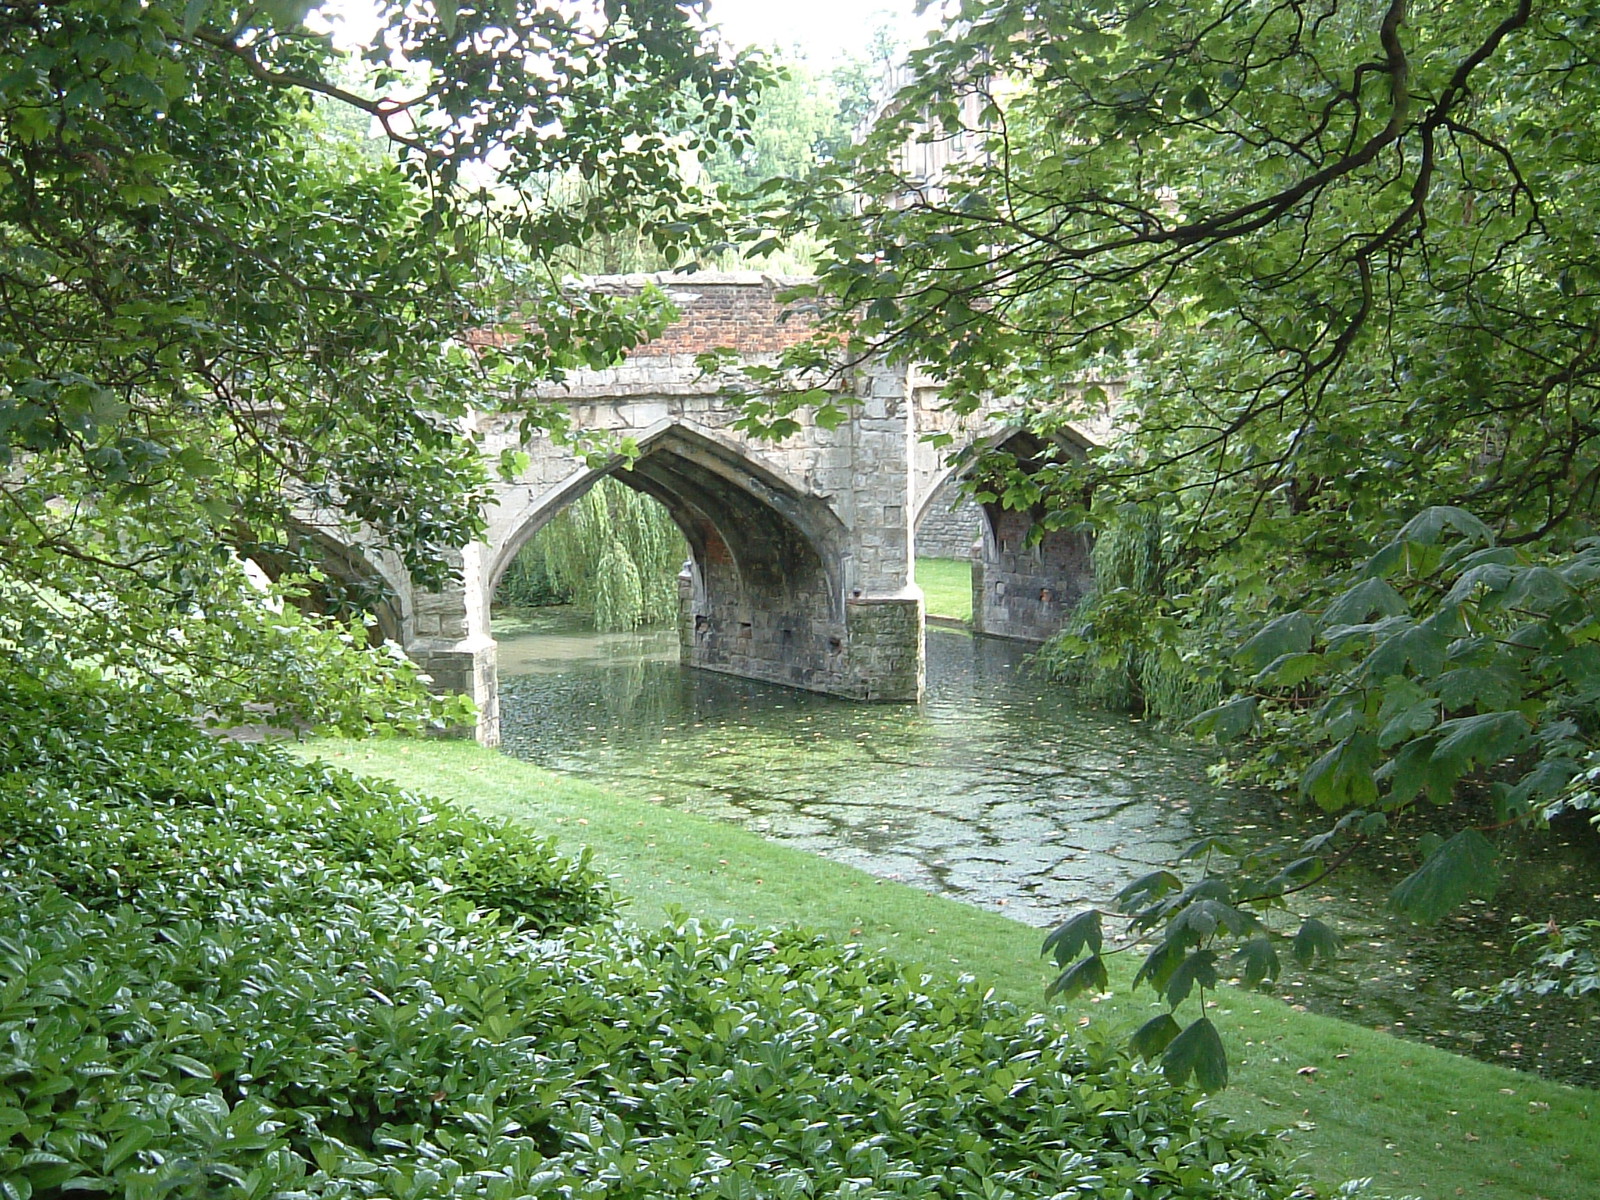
[223,974]
[527,584]
[116,810]
[1137,641]
[1567,963]
[1447,664]
[329,1038]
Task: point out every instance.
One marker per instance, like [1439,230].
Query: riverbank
[1005,794]
[1417,1120]
[946,585]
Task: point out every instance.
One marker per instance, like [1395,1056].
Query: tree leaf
[1218,913]
[1197,1051]
[1159,964]
[1198,969]
[1146,888]
[1406,723]
[1583,568]
[1288,634]
[1342,778]
[135,1139]
[287,14]
[1211,843]
[1537,588]
[1387,561]
[1226,721]
[1289,670]
[1413,770]
[1300,870]
[1372,824]
[1461,867]
[193,13]
[1548,779]
[1420,647]
[191,1066]
[1072,937]
[1258,959]
[1314,938]
[1485,739]
[1580,666]
[1089,974]
[1339,637]
[1492,577]
[1154,1036]
[1492,687]
[1429,525]
[1369,598]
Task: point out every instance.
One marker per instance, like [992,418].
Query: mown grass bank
[946,585]
[1417,1120]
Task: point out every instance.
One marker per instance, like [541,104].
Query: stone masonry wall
[793,542]
[734,310]
[885,648]
[803,549]
[951,524]
[1022,591]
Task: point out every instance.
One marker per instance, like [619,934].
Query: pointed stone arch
[1024,585]
[802,548]
[360,579]
[765,592]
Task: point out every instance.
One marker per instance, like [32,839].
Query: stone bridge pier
[1025,581]
[800,566]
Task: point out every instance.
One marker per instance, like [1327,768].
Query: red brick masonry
[722,311]
[735,311]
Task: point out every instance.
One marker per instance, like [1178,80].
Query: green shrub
[1134,642]
[225,975]
[327,1038]
[115,810]
[527,583]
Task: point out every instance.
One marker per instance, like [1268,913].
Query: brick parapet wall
[738,311]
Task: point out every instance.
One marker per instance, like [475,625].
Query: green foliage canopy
[1339,260]
[801,118]
[219,323]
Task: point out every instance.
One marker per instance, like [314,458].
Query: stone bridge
[801,567]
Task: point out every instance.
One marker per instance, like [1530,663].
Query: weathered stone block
[466,668]
[884,648]
[1026,592]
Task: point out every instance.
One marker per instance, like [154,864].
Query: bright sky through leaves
[822,30]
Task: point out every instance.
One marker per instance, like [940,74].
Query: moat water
[1002,792]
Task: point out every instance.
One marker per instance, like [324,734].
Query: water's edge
[1000,792]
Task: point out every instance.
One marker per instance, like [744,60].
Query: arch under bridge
[801,551]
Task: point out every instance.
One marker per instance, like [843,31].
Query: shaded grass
[946,585]
[1418,1120]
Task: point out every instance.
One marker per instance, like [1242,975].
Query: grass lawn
[946,585]
[1417,1120]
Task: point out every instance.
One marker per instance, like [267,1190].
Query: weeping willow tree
[1130,644]
[615,554]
